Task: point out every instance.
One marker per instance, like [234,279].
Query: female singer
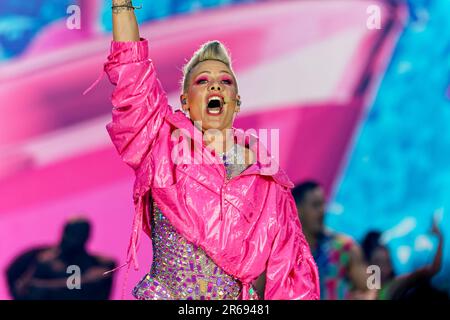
[223,224]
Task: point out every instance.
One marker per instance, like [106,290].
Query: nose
[215,86]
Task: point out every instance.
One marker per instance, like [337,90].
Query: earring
[183,101]
[238,102]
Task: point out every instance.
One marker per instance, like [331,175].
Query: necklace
[233,160]
[230,156]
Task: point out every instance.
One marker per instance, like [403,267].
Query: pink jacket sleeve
[139,101]
[291,270]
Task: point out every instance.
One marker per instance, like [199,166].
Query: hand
[435,229]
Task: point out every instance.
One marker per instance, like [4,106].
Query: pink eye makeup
[204,80]
[227,81]
[201,80]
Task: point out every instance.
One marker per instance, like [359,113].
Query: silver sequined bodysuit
[180,269]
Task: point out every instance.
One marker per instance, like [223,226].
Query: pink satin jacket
[247,225]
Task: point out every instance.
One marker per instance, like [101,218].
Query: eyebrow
[222,71]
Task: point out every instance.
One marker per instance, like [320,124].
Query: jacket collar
[265,168]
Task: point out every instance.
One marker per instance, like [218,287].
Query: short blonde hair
[211,50]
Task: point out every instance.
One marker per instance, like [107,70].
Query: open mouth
[215,105]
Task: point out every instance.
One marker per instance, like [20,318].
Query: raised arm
[139,102]
[402,284]
[125,27]
[432,269]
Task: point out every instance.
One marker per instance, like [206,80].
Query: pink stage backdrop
[307,68]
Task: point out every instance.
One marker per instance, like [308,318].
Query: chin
[214,124]
[217,126]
